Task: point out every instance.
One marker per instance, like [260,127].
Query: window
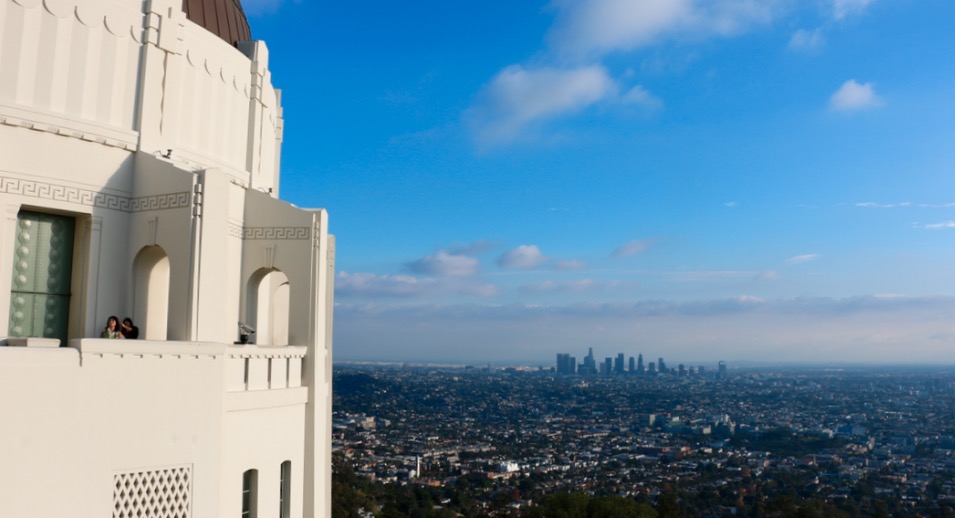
[285,487]
[250,482]
[42,273]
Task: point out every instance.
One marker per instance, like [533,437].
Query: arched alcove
[151,292]
[267,306]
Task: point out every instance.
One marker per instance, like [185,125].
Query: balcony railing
[253,367]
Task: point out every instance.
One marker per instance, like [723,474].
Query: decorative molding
[152,230]
[274,233]
[69,194]
[251,351]
[173,200]
[66,132]
[119,23]
[50,191]
[234,230]
[145,356]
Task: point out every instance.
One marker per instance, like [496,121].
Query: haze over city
[723,180]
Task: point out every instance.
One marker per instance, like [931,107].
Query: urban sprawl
[862,441]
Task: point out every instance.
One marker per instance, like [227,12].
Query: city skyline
[714,181]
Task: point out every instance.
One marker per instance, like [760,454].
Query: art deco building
[139,177]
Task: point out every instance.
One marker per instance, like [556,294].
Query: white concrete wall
[71,426]
[94,94]
[77,416]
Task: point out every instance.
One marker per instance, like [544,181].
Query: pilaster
[156,115]
[8,233]
[317,374]
[94,230]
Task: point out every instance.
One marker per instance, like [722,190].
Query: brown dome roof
[224,18]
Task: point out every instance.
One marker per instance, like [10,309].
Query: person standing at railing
[112,329]
[128,329]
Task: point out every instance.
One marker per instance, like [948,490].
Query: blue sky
[699,180]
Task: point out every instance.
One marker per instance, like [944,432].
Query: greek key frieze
[69,194]
[234,230]
[49,191]
[175,200]
[270,233]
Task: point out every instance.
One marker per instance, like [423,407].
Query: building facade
[139,177]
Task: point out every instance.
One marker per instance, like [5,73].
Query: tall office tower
[662,367]
[633,365]
[563,362]
[722,371]
[590,365]
[618,364]
[608,366]
[681,370]
[651,368]
[701,370]
[640,363]
[572,365]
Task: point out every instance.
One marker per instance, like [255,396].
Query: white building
[139,152]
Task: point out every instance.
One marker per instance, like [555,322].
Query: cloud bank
[855,329]
[523,257]
[444,263]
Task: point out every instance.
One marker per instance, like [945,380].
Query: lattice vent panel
[161,493]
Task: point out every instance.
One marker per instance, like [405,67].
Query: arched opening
[250,493]
[267,306]
[151,292]
[285,489]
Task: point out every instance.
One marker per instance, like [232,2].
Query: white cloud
[855,96]
[799,259]
[731,204]
[843,8]
[523,257]
[577,286]
[361,285]
[769,275]
[369,284]
[591,28]
[940,226]
[874,205]
[518,97]
[635,247]
[806,40]
[444,263]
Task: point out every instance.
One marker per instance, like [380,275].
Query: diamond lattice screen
[161,493]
